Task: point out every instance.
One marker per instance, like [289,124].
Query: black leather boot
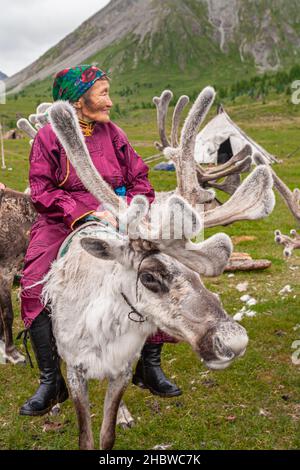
[148,373]
[52,389]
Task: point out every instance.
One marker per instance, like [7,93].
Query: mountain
[2,75]
[194,38]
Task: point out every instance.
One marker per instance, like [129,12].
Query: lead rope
[25,334]
[133,310]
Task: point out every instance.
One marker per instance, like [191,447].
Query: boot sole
[165,395]
[37,413]
[141,384]
[138,383]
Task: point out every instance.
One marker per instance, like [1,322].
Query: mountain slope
[130,36]
[2,75]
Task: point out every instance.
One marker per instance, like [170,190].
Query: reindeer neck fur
[17,203]
[16,217]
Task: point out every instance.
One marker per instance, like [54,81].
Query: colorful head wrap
[71,83]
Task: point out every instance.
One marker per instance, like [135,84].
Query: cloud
[28,28]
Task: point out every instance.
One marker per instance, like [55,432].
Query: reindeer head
[161,281]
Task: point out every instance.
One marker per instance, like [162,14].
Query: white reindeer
[110,291]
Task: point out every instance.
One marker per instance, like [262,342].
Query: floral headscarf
[71,83]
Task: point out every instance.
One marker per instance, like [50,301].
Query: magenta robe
[61,199]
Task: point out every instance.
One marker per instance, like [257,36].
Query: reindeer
[10,224]
[292,200]
[17,214]
[110,290]
[16,217]
[186,169]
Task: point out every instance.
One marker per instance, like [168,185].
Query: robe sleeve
[47,197]
[136,170]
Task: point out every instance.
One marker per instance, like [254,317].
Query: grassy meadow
[255,404]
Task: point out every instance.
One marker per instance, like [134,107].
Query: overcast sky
[28,28]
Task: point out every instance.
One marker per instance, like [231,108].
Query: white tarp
[217,131]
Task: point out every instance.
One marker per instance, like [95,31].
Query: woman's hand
[106,215]
[2,186]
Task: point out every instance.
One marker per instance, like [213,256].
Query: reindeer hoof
[127,424]
[124,418]
[13,356]
[55,410]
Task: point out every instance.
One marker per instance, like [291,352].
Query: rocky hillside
[179,36]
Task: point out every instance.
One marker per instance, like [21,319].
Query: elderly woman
[63,203]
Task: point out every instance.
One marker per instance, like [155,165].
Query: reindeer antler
[238,164]
[245,152]
[65,124]
[181,104]
[39,120]
[178,223]
[291,198]
[209,257]
[162,105]
[239,167]
[24,125]
[206,177]
[254,199]
[229,185]
[183,155]
[289,243]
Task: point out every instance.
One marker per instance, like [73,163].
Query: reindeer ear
[212,255]
[208,258]
[108,249]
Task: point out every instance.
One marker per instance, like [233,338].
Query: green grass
[255,404]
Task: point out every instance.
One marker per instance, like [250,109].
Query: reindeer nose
[222,344]
[230,340]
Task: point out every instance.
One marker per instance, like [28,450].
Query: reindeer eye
[147,278]
[153,284]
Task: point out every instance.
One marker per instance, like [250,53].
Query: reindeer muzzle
[222,344]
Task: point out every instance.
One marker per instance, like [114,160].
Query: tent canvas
[221,138]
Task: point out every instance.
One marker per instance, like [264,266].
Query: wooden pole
[3,166]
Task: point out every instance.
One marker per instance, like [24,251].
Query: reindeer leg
[79,392]
[2,337]
[7,316]
[114,393]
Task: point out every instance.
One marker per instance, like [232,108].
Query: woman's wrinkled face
[95,104]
